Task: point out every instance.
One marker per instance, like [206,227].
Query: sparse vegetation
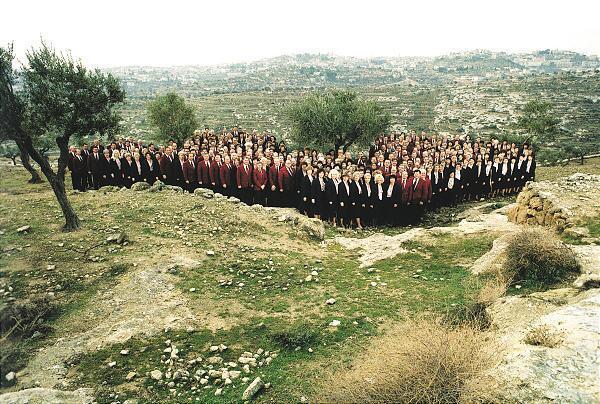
[544,335]
[422,361]
[538,255]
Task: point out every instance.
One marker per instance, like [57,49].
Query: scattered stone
[210,253]
[118,238]
[130,376]
[254,387]
[140,186]
[125,352]
[156,374]
[50,267]
[10,376]
[23,229]
[330,301]
[112,364]
[335,323]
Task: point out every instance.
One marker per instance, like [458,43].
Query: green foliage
[66,99]
[298,335]
[60,99]
[336,119]
[537,121]
[174,118]
[539,256]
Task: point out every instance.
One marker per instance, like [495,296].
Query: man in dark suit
[259,182]
[70,166]
[79,171]
[189,174]
[225,176]
[286,185]
[85,154]
[167,167]
[204,171]
[244,181]
[94,167]
[274,197]
[215,173]
[418,197]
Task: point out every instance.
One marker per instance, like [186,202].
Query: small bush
[299,335]
[417,362]
[23,318]
[544,335]
[538,255]
[471,313]
[492,290]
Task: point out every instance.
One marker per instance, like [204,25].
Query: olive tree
[336,119]
[60,97]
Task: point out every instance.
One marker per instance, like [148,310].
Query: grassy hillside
[195,273]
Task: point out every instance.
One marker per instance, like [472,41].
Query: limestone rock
[23,229]
[157,186]
[48,396]
[109,188]
[565,373]
[140,186]
[156,374]
[254,387]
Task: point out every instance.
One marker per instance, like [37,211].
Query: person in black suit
[150,169]
[438,183]
[116,169]
[530,168]
[127,170]
[79,171]
[344,198]
[105,178]
[379,200]
[392,201]
[318,198]
[167,164]
[368,199]
[179,162]
[357,199]
[95,168]
[331,191]
[306,191]
[87,178]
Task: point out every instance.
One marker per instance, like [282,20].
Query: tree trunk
[57,182]
[582,159]
[35,176]
[14,159]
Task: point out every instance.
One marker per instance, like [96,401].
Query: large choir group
[401,176]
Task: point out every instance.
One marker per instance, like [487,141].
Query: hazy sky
[176,32]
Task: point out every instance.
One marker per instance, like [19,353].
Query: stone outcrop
[140,186]
[556,204]
[567,372]
[48,396]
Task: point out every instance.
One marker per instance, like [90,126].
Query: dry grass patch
[544,335]
[492,290]
[538,255]
[424,361]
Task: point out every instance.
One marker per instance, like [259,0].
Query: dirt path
[143,302]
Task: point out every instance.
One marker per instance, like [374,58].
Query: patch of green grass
[286,372]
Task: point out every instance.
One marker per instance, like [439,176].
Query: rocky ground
[166,297]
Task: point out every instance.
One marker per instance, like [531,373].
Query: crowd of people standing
[402,175]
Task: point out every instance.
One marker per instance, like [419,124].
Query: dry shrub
[492,290]
[420,361]
[538,255]
[544,335]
